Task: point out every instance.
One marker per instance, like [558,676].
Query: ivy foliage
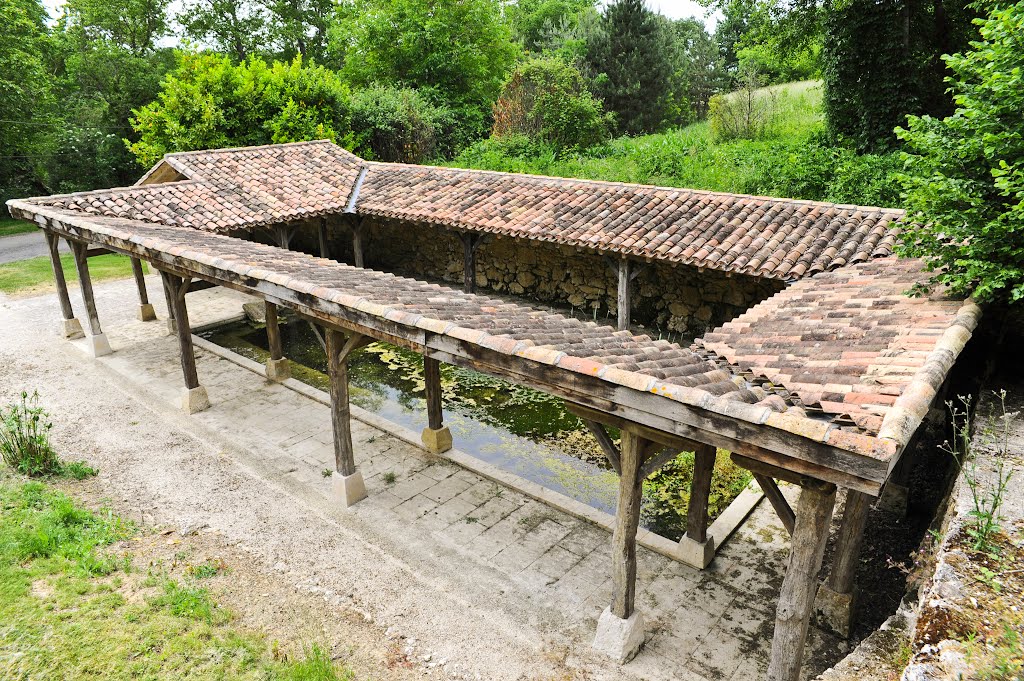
[548,100]
[964,179]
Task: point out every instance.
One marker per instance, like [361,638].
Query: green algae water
[517,429]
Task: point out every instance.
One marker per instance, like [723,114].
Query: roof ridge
[262,146]
[635,185]
[112,190]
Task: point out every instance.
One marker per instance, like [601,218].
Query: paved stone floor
[712,624]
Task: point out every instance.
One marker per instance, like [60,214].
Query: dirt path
[25,246]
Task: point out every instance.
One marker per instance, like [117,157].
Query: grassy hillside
[793,159]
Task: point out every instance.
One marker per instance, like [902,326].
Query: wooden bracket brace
[283,236]
[472,240]
[779,503]
[354,342]
[657,460]
[611,452]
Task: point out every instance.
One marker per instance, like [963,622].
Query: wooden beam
[778,501]
[622,297]
[679,444]
[85,281]
[140,281]
[52,242]
[432,382]
[97,252]
[657,460]
[700,493]
[337,369]
[770,471]
[283,235]
[321,339]
[201,285]
[325,246]
[627,521]
[273,331]
[611,452]
[470,242]
[851,535]
[814,514]
[177,287]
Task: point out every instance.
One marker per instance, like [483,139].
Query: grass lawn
[9,226]
[71,606]
[35,273]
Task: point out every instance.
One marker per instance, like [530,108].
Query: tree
[25,89]
[533,20]
[633,54]
[699,72]
[132,25]
[548,100]
[235,27]
[964,180]
[299,27]
[872,85]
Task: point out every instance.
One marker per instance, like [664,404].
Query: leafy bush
[548,100]
[748,112]
[25,438]
[25,442]
[965,173]
[397,124]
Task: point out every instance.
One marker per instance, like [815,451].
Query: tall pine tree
[633,55]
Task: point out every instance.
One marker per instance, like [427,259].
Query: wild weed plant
[25,442]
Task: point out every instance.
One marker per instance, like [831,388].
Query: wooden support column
[620,630]
[358,232]
[836,597]
[98,344]
[278,368]
[172,325]
[194,397]
[346,481]
[146,311]
[696,547]
[70,327]
[436,437]
[470,242]
[622,297]
[325,246]
[813,516]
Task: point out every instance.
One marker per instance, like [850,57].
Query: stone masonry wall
[666,299]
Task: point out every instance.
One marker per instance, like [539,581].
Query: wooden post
[172,325]
[620,629]
[194,398]
[700,492]
[470,242]
[325,247]
[71,327]
[435,437]
[146,311]
[835,599]
[347,482]
[98,342]
[357,244]
[278,368]
[813,516]
[622,297]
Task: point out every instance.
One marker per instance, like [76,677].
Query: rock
[255,312]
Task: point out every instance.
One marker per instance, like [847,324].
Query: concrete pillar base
[696,554]
[99,346]
[437,441]
[146,313]
[70,329]
[834,610]
[620,639]
[894,499]
[278,369]
[348,489]
[194,400]
[172,327]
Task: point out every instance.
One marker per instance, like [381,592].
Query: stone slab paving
[712,624]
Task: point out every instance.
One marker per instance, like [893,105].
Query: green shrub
[397,124]
[748,112]
[548,100]
[25,438]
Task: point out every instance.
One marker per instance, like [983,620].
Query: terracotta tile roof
[844,344]
[767,237]
[232,189]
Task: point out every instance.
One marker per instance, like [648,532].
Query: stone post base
[278,369]
[98,345]
[172,327]
[619,639]
[834,610]
[437,441]
[348,489]
[146,313]
[70,329]
[194,400]
[696,554]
